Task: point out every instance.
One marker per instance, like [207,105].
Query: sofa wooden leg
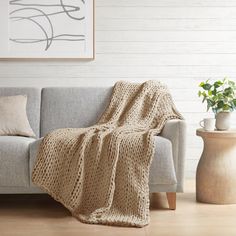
[171,197]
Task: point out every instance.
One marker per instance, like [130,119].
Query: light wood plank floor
[34,215]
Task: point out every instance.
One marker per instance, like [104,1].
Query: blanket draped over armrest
[101,173]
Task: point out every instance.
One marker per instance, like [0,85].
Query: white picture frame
[47,29]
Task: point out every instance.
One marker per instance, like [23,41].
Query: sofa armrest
[175,131]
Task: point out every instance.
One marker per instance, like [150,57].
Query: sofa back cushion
[33,103]
[75,107]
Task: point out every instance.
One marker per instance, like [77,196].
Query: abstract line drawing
[45,16]
[47,29]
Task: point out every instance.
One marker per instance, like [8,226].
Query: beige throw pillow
[13,116]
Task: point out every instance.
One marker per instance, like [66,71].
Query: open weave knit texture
[101,173]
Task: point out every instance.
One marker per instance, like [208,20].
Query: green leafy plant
[219,95]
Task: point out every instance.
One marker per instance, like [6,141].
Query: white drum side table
[216,171]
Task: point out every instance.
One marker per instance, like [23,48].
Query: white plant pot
[223,120]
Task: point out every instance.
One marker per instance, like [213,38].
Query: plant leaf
[226,107]
[201,84]
[220,104]
[207,86]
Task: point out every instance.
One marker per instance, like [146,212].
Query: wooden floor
[33,215]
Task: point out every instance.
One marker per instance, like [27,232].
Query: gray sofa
[52,108]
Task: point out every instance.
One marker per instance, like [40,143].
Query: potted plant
[220,96]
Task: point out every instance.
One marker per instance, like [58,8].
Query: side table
[216,171]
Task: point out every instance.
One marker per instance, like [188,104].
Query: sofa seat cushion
[162,171]
[14,161]
[34,148]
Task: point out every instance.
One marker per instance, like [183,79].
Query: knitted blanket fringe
[101,173]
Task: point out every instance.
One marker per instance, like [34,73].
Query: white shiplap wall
[179,42]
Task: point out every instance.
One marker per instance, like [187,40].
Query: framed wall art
[47,29]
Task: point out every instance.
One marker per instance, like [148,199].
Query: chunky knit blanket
[101,173]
